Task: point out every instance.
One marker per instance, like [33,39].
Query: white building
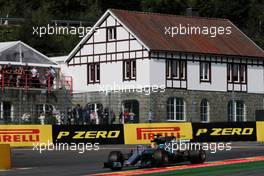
[201,77]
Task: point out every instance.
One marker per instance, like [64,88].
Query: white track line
[30,149]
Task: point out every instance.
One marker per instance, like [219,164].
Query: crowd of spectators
[21,76]
[126,117]
[87,115]
[90,116]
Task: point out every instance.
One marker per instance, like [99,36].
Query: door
[7,111]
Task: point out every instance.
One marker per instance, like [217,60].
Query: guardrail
[27,82]
[26,135]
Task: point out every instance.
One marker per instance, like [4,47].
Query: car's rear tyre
[115,156]
[160,157]
[197,156]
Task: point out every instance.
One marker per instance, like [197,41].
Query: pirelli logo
[149,133]
[19,135]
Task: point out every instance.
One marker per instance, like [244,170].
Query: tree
[247,15]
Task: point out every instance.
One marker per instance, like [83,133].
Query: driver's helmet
[154,143]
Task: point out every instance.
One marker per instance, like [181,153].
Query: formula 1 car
[159,153]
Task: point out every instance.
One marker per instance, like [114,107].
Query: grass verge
[214,170]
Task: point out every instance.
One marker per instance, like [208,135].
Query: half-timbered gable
[110,41]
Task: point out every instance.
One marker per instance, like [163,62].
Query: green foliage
[247,15]
[176,7]
[9,33]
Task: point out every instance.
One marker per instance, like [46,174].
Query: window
[240,111]
[7,111]
[243,73]
[111,33]
[204,111]
[93,73]
[229,73]
[236,73]
[182,69]
[205,71]
[230,111]
[236,111]
[175,109]
[129,70]
[176,69]
[168,69]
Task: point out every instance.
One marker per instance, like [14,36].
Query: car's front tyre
[197,156]
[160,157]
[116,160]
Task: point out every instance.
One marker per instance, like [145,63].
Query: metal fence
[173,105]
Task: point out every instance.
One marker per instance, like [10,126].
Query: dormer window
[111,33]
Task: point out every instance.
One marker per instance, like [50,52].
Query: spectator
[9,74]
[1,74]
[42,119]
[5,77]
[113,117]
[96,118]
[51,74]
[26,76]
[77,114]
[69,114]
[58,118]
[105,119]
[126,116]
[64,118]
[131,117]
[121,118]
[19,72]
[150,117]
[86,113]
[35,77]
[92,117]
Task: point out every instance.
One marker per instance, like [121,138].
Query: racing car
[157,154]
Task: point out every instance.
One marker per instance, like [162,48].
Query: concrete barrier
[5,157]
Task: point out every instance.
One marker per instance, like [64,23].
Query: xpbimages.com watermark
[175,146]
[61,30]
[79,147]
[211,31]
[144,89]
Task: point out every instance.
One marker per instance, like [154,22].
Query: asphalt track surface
[26,162]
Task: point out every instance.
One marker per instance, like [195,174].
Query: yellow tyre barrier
[5,157]
[260,131]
